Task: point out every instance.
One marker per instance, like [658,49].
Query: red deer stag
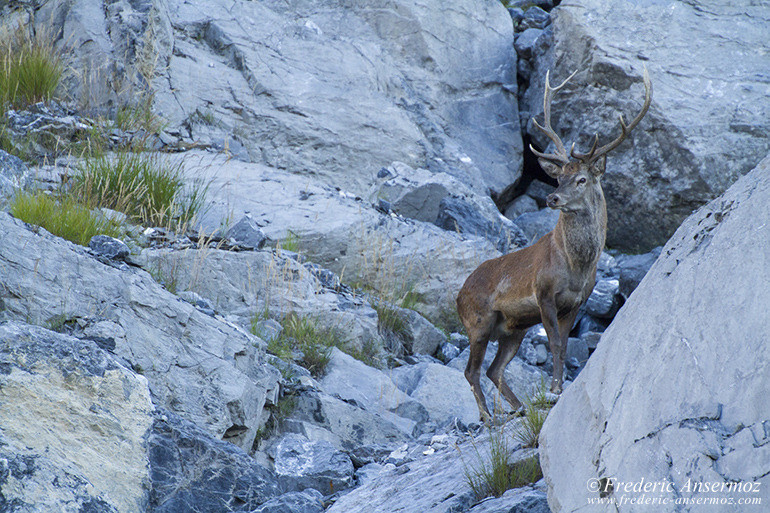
[549,280]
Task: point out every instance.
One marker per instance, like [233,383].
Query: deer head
[577,177]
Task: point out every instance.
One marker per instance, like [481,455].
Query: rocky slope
[379,143]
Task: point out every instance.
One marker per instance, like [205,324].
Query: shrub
[30,68]
[146,188]
[65,218]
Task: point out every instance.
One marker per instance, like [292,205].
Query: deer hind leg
[478,339]
[508,346]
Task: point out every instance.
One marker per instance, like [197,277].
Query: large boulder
[677,391]
[370,389]
[73,424]
[704,129]
[209,371]
[335,91]
[79,432]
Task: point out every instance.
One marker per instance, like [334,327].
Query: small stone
[591,339]
[535,17]
[521,205]
[247,234]
[108,247]
[633,268]
[447,352]
[541,354]
[459,340]
[301,463]
[589,324]
[603,301]
[539,191]
[526,42]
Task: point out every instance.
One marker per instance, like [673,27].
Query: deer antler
[595,154]
[560,156]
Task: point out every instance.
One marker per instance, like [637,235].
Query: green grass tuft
[495,471]
[65,218]
[30,68]
[536,408]
[141,185]
[304,340]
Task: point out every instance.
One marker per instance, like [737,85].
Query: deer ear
[598,167]
[551,169]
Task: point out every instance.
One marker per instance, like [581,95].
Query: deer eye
[581,181]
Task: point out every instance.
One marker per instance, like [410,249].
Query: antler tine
[586,156]
[561,153]
[625,129]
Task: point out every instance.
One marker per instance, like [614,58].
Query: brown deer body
[548,281]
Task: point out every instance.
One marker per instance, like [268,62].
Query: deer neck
[582,233]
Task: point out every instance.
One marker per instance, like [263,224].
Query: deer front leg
[548,314]
[565,326]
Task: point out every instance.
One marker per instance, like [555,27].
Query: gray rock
[421,337]
[526,42]
[681,415]
[459,340]
[591,339]
[675,160]
[14,176]
[108,247]
[577,348]
[517,14]
[535,17]
[603,301]
[521,205]
[607,266]
[319,416]
[539,191]
[517,500]
[246,234]
[536,224]
[588,324]
[196,300]
[447,352]
[307,501]
[442,390]
[301,463]
[351,87]
[192,471]
[633,268]
[460,215]
[367,387]
[207,370]
[74,425]
[368,473]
